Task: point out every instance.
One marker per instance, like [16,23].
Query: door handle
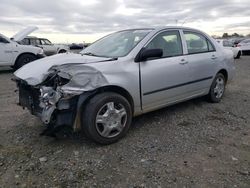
[183,62]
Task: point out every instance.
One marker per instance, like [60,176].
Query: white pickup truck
[15,55]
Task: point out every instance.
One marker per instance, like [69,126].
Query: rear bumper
[245,52]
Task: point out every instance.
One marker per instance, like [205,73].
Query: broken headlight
[54,80]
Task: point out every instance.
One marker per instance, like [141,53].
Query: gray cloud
[73,17]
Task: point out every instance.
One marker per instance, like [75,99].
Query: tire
[23,60]
[62,51]
[217,88]
[238,55]
[106,118]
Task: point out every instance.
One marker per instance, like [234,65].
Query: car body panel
[41,67]
[155,94]
[151,84]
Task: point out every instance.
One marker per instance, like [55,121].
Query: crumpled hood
[35,72]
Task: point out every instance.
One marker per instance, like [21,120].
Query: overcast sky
[87,20]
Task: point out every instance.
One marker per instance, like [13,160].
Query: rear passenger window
[197,43]
[169,42]
[35,42]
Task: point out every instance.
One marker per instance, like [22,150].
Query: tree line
[226,35]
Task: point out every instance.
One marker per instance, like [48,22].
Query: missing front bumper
[62,113]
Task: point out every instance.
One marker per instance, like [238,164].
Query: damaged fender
[80,78]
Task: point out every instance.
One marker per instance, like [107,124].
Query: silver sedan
[124,74]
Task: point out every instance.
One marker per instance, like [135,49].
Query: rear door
[163,79]
[202,58]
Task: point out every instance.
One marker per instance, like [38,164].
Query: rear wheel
[23,60]
[217,89]
[106,118]
[62,51]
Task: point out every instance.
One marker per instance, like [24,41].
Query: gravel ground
[192,144]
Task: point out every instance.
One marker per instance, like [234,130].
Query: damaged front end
[58,99]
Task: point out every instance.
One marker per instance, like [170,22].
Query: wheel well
[115,89]
[224,72]
[22,55]
[62,50]
[118,90]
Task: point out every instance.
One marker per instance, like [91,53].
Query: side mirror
[148,53]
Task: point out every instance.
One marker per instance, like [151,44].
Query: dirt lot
[193,144]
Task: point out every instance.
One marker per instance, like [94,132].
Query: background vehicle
[245,46]
[122,75]
[236,41]
[46,45]
[229,45]
[76,48]
[16,55]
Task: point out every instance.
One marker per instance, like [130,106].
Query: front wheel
[23,60]
[217,88]
[106,118]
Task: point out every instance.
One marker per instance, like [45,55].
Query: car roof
[32,37]
[162,28]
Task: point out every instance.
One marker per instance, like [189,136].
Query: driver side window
[169,42]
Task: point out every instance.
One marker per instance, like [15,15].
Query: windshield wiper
[89,53]
[112,59]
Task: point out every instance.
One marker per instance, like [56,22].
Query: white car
[244,46]
[16,55]
[48,47]
[229,45]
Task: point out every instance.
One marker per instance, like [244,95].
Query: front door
[6,52]
[164,80]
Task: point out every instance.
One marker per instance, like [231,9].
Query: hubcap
[219,87]
[111,119]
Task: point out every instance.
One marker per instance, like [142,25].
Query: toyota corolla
[122,75]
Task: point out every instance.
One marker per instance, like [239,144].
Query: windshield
[117,44]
